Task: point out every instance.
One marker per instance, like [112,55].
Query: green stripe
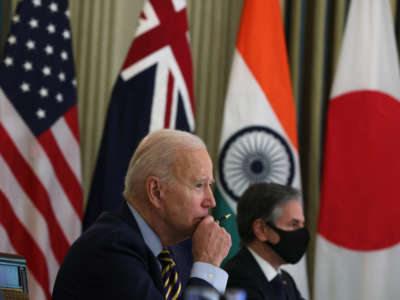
[230,225]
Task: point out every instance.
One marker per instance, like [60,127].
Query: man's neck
[266,253]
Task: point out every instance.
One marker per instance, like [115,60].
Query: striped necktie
[171,284]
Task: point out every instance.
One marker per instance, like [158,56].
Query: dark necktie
[279,287]
[172,286]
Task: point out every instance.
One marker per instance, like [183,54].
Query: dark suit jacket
[245,273]
[111,261]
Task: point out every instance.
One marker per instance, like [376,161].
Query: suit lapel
[152,262]
[268,291]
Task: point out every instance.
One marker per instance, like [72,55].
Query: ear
[153,190]
[260,230]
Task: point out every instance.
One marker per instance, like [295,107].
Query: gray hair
[155,155]
[262,200]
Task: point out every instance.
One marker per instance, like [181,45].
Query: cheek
[182,201]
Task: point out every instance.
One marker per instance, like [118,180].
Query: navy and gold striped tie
[171,283]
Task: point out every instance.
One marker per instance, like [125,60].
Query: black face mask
[292,244]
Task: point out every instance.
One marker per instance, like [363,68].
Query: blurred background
[103,31]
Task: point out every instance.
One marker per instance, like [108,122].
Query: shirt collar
[150,238]
[268,270]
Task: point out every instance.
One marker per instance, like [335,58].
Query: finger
[208,219]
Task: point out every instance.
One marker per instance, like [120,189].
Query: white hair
[155,155]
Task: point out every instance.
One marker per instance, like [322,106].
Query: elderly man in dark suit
[271,227]
[144,250]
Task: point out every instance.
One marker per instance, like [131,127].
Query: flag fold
[154,90]
[40,167]
[357,244]
[259,136]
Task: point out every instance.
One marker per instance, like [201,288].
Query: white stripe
[68,145]
[36,157]
[174,106]
[5,243]
[347,274]
[368,59]
[35,290]
[159,104]
[182,87]
[179,4]
[149,22]
[29,216]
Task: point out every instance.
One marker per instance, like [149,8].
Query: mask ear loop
[269,223]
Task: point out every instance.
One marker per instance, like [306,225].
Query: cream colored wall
[102,33]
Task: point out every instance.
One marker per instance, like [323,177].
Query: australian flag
[154,90]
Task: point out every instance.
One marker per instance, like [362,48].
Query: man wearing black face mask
[271,228]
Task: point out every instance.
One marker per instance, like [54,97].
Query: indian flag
[259,135]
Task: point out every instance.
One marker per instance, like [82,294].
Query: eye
[199,185]
[212,184]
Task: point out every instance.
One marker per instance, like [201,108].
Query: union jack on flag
[40,186]
[154,90]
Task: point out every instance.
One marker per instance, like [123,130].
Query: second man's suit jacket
[245,273]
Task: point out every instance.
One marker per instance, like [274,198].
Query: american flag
[40,186]
[154,90]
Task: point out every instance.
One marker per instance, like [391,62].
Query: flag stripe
[29,216]
[69,146]
[65,176]
[44,175]
[169,99]
[5,242]
[26,177]
[35,289]
[71,118]
[270,66]
[24,244]
[174,109]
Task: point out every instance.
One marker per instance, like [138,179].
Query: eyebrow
[297,221]
[204,180]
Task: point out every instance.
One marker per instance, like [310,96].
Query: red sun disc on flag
[360,187]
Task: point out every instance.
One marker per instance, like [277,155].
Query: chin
[197,221]
[194,227]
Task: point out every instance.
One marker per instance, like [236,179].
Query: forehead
[292,210]
[193,163]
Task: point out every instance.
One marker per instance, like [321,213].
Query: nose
[209,200]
